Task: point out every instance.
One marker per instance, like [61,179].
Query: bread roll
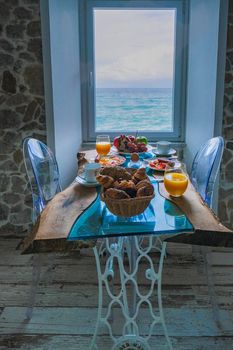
[145,191]
[139,175]
[105,180]
[116,194]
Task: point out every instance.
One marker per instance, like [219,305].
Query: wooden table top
[54,224]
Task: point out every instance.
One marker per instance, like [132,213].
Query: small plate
[171,152]
[115,150]
[83,182]
[111,159]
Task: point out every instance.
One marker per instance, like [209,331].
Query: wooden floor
[198,305]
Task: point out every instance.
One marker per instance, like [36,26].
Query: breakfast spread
[126,185]
[131,143]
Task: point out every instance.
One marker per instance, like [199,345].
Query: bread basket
[124,207]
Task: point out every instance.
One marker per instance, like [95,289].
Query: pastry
[145,191]
[139,175]
[142,184]
[114,193]
[105,180]
[116,172]
[126,185]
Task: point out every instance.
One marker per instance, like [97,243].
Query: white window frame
[87,65]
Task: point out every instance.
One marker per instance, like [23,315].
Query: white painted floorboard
[66,304]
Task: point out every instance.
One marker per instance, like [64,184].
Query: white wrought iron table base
[134,249]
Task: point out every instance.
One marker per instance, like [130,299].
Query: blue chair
[205,168]
[43,174]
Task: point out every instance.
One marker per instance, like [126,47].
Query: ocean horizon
[144,109]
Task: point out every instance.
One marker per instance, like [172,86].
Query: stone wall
[21,106]
[226,181]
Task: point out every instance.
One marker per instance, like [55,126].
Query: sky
[134,48]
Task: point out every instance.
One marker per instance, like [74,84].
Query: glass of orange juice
[176,179]
[103,145]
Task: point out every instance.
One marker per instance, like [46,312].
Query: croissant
[139,175]
[116,194]
[126,185]
[142,184]
[145,191]
[105,180]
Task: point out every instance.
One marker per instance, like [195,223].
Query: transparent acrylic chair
[43,174]
[205,168]
[204,172]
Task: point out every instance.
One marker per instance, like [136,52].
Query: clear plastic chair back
[43,173]
[205,168]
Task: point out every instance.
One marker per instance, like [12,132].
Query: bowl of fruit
[127,144]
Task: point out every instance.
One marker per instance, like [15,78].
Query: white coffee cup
[90,171]
[163,147]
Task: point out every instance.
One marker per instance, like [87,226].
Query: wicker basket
[124,207]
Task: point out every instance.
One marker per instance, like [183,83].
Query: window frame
[87,65]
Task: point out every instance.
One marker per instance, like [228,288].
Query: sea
[133,109]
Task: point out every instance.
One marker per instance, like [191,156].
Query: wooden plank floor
[198,306]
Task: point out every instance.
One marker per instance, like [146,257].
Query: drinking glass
[175,179]
[103,145]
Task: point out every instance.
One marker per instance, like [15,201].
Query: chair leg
[36,272]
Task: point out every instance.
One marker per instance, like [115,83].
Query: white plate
[115,150]
[83,182]
[171,152]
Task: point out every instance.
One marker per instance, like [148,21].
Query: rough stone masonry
[22,106]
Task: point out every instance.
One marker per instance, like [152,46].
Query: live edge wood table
[76,218]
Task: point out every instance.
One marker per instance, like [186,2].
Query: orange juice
[103,148]
[175,183]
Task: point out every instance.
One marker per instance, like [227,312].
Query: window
[133,65]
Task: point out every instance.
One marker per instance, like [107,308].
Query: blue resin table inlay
[161,217]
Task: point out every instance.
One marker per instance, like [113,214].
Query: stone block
[4,182]
[228,133]
[6,148]
[9,166]
[33,76]
[22,217]
[6,45]
[18,156]
[4,11]
[9,119]
[4,211]
[229,145]
[18,184]
[8,82]
[18,66]
[26,56]
[6,59]
[11,198]
[15,31]
[22,13]
[35,46]
[12,137]
[34,29]
[30,111]
[17,99]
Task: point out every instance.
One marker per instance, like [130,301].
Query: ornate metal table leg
[131,337]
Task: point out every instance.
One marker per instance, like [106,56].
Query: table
[77,216]
[130,239]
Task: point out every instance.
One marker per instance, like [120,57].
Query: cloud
[134,47]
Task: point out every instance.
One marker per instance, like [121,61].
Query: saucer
[83,182]
[171,152]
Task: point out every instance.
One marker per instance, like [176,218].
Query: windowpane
[134,75]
